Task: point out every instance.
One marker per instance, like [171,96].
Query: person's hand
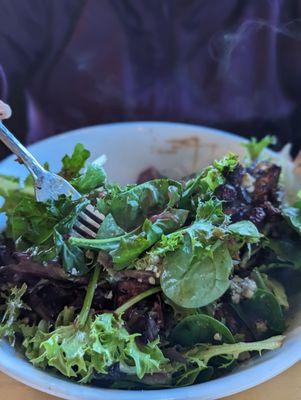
[5,110]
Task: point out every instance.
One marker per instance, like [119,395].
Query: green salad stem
[121,310]
[83,315]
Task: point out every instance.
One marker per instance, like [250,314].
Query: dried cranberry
[148,175]
[235,177]
[257,215]
[270,209]
[226,192]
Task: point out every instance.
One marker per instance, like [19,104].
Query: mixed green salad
[183,281]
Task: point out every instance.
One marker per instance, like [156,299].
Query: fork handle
[21,152]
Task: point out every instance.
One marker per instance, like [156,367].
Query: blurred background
[231,64]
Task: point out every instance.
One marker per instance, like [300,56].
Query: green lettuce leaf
[86,345]
[39,229]
[255,147]
[131,207]
[72,165]
[13,306]
[94,177]
[197,368]
[202,354]
[207,181]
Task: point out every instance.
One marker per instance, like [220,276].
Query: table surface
[285,386]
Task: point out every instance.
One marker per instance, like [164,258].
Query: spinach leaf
[125,248]
[196,263]
[278,291]
[287,251]
[195,278]
[293,217]
[262,306]
[200,328]
[246,230]
[73,258]
[109,228]
[263,281]
[255,147]
[131,207]
[72,165]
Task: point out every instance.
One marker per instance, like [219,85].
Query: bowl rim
[64,388]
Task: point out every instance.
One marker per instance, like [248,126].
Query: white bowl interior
[175,150]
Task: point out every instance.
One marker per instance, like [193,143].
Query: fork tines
[88,222]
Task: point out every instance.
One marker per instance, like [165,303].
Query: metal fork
[49,186]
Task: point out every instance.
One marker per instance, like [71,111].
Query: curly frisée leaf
[198,358]
[228,163]
[209,179]
[145,359]
[87,345]
[204,353]
[255,147]
[13,306]
[81,352]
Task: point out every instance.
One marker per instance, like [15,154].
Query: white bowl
[175,149]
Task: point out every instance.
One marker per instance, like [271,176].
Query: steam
[223,44]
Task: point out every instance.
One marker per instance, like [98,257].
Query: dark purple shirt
[230,64]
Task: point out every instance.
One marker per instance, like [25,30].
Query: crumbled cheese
[261,326]
[151,280]
[154,265]
[109,295]
[241,288]
[248,182]
[217,336]
[157,274]
[154,259]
